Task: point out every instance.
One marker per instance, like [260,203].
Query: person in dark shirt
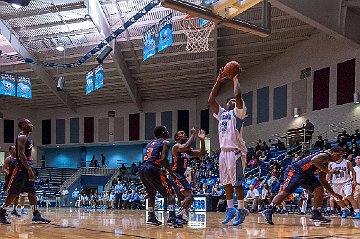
[309,130]
[345,136]
[356,135]
[301,173]
[319,143]
[103,161]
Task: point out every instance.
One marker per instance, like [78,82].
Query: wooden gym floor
[80,223]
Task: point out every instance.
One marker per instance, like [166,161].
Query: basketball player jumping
[21,174]
[182,152]
[8,163]
[155,180]
[233,150]
[301,173]
[343,184]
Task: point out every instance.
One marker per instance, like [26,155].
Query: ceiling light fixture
[60,47]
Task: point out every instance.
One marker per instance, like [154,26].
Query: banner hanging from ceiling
[165,33]
[149,43]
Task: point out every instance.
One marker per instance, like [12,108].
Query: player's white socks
[14,207]
[240,204]
[22,207]
[230,203]
[356,210]
[343,208]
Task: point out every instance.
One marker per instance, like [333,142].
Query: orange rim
[188,17]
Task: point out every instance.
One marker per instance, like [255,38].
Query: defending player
[21,174]
[301,173]
[182,152]
[343,184]
[155,180]
[232,158]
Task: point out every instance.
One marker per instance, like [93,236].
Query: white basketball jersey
[344,176]
[230,128]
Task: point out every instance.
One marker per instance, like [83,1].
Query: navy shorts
[294,179]
[18,181]
[184,183]
[154,180]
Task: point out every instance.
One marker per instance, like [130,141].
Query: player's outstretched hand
[334,172]
[201,134]
[338,196]
[221,77]
[193,131]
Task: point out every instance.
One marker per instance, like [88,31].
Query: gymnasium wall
[319,52]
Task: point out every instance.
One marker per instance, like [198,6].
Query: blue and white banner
[149,43]
[7,84]
[165,33]
[90,82]
[99,77]
[24,88]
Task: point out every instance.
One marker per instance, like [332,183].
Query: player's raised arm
[201,152]
[187,146]
[237,93]
[214,105]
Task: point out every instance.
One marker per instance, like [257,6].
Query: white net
[197,36]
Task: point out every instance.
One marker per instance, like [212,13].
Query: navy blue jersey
[153,151]
[180,161]
[306,165]
[28,149]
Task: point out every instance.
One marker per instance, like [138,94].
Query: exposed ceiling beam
[24,13]
[39,70]
[47,25]
[98,16]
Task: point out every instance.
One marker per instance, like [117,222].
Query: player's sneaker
[172,222]
[230,214]
[317,217]
[181,220]
[152,220]
[23,211]
[357,215]
[3,218]
[345,213]
[15,213]
[240,216]
[38,219]
[267,214]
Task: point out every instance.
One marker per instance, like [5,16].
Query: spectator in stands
[280,145]
[264,147]
[134,168]
[92,162]
[309,130]
[345,136]
[123,170]
[257,182]
[354,150]
[75,195]
[319,144]
[356,135]
[252,196]
[58,199]
[253,163]
[64,194]
[111,200]
[103,161]
[217,191]
[258,146]
[134,200]
[264,157]
[343,144]
[205,190]
[327,145]
[125,198]
[249,181]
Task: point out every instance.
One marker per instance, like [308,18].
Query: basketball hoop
[197,35]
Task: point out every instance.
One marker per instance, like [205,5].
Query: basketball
[231,69]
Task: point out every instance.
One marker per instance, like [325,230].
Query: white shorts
[230,168]
[344,189]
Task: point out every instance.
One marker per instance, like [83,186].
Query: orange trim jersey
[153,151]
[306,165]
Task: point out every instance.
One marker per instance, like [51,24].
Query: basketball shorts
[344,189]
[183,181]
[18,181]
[154,180]
[293,179]
[230,168]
